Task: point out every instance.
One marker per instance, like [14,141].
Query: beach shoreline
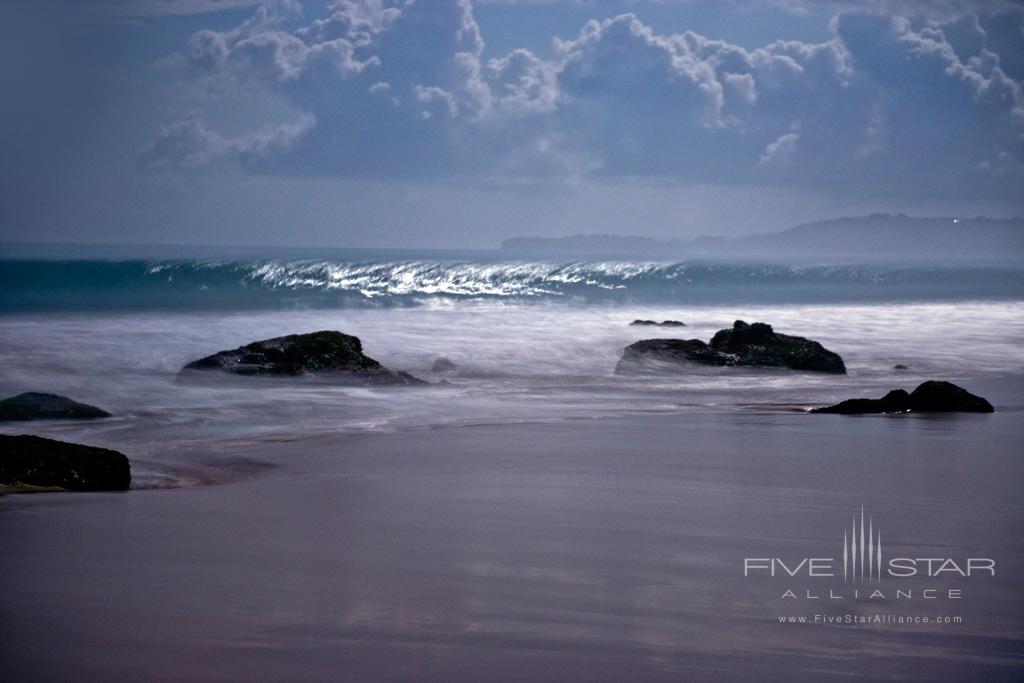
[564,550]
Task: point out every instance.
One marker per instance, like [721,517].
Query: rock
[37,406]
[900,366]
[759,344]
[663,323]
[945,397]
[929,397]
[327,354]
[34,461]
[896,401]
[675,352]
[443,364]
[746,345]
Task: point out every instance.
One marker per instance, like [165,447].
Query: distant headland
[874,237]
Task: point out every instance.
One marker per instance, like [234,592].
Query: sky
[456,124]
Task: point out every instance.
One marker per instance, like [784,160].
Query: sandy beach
[601,550]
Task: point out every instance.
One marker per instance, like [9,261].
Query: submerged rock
[443,364]
[327,354]
[663,323]
[746,345]
[929,397]
[37,462]
[38,406]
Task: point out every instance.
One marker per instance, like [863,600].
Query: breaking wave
[283,283]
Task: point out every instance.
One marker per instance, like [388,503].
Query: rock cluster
[744,344]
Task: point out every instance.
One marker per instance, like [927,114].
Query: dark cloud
[401,90]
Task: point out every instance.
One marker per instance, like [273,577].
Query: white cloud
[156,8]
[780,150]
[391,89]
[521,83]
[191,143]
[930,8]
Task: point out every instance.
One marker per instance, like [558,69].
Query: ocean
[374,279]
[530,340]
[530,513]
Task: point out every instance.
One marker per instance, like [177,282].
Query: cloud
[401,90]
[929,8]
[191,143]
[780,150]
[910,8]
[522,84]
[157,8]
[948,101]
[257,49]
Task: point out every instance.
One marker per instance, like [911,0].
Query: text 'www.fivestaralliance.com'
[863,619]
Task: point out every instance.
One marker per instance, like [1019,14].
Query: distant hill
[882,235]
[876,237]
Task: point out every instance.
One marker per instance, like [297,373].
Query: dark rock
[663,323]
[328,354]
[759,344]
[34,461]
[747,345]
[929,397]
[896,401]
[443,364]
[37,406]
[674,351]
[900,366]
[945,397]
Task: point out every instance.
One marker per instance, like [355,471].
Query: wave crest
[288,283]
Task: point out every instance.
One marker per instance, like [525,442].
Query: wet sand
[590,550]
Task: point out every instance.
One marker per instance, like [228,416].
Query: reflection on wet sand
[578,550]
